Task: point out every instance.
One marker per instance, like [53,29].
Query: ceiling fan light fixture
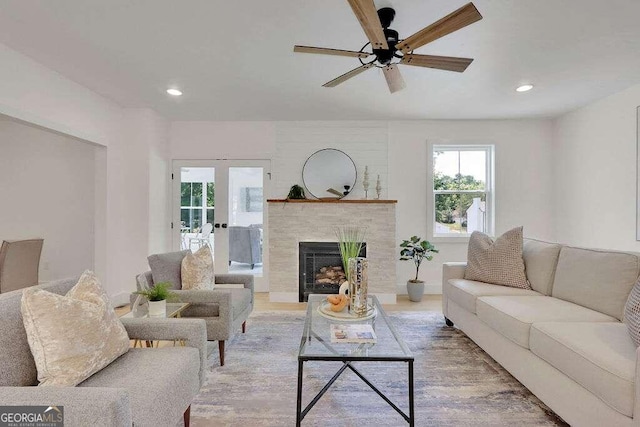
[174,92]
[524,88]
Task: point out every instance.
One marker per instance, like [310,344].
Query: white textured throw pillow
[498,262]
[72,336]
[632,313]
[197,270]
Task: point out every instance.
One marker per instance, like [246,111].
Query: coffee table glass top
[173,310]
[316,339]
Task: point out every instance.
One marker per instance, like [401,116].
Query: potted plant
[157,296]
[350,241]
[416,250]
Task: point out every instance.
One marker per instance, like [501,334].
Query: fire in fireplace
[320,268]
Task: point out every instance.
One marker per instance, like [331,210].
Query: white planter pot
[158,308]
[415,290]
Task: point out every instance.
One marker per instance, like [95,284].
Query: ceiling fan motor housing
[385,56]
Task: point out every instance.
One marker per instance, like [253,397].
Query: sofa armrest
[193,331]
[83,406]
[238,279]
[450,270]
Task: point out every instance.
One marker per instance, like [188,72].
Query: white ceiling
[234,60]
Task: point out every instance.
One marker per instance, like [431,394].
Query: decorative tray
[344,315]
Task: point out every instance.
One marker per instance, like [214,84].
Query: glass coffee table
[316,345]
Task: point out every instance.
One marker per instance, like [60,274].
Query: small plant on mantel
[417,250]
[350,240]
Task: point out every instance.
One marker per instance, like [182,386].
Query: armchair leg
[244,326]
[187,416]
[221,349]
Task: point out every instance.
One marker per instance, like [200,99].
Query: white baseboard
[429,289]
[386,298]
[120,299]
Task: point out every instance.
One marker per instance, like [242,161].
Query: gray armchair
[135,389]
[245,245]
[223,310]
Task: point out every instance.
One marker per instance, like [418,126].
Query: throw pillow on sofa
[197,270]
[632,313]
[72,336]
[498,262]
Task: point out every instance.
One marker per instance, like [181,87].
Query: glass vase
[358,285]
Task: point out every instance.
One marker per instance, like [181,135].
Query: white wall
[129,172]
[595,173]
[523,165]
[47,190]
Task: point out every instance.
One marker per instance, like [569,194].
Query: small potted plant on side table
[157,296]
[416,250]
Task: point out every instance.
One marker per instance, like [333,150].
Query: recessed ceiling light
[524,88]
[174,92]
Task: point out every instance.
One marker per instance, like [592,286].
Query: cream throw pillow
[632,313]
[499,262]
[74,336]
[197,270]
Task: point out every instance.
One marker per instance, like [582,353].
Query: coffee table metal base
[301,413]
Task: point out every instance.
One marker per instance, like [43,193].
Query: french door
[222,204]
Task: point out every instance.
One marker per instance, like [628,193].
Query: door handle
[216,225]
[224,225]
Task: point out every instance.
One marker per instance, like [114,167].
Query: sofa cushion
[161,382]
[499,262]
[72,336]
[599,356]
[600,280]
[512,316]
[540,261]
[17,367]
[465,292]
[167,267]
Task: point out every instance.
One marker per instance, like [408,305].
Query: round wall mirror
[329,173]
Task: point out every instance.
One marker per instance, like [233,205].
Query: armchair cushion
[55,324]
[197,270]
[161,382]
[167,267]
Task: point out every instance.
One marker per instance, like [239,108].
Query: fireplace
[320,268]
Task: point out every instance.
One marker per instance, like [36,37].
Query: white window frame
[489,149]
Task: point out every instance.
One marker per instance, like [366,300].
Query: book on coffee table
[353,334]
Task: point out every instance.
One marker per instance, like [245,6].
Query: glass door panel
[197,207]
[246,220]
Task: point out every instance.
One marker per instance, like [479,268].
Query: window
[462,190]
[192,209]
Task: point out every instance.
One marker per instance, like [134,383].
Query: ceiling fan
[389,50]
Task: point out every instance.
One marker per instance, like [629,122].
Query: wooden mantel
[329,201]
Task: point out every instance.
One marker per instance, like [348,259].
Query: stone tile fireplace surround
[292,222]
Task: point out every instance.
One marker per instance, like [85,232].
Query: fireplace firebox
[320,268]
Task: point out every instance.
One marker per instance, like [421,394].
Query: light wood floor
[428,303]
[262,303]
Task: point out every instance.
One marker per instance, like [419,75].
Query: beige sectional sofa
[564,339]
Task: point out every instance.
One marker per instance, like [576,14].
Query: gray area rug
[456,382]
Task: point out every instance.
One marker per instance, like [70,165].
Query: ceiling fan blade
[394,78]
[448,63]
[365,11]
[327,51]
[456,20]
[346,76]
